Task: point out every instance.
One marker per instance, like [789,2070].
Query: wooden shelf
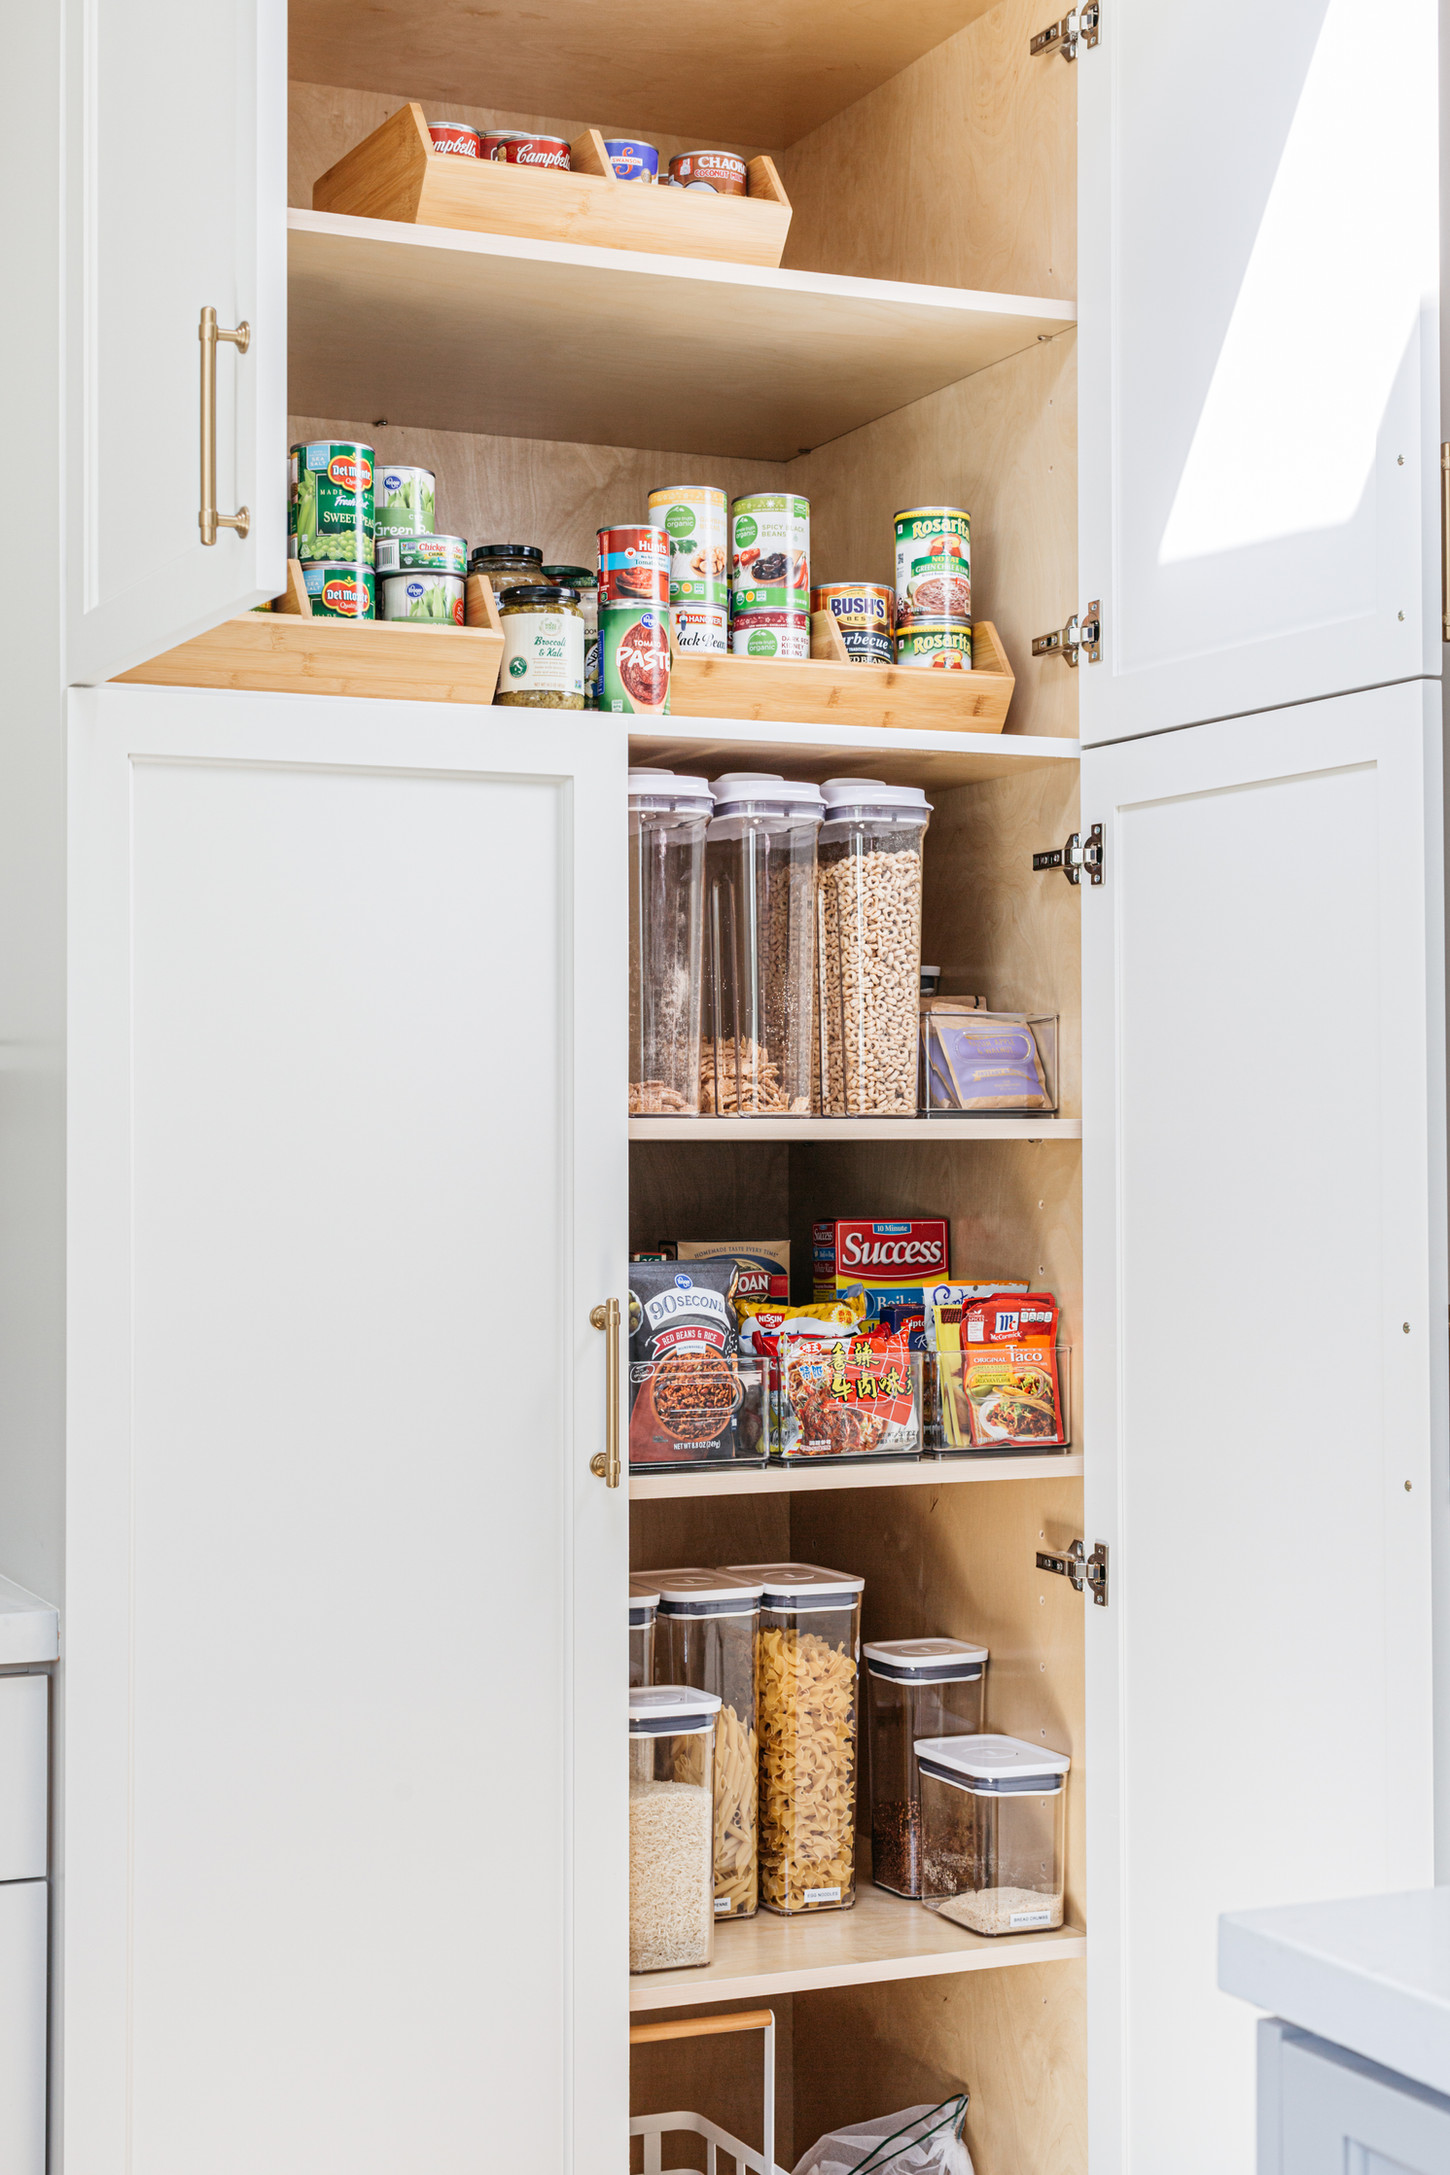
[805,1477]
[710,746]
[482,333]
[883,1937]
[1026,1127]
[827,689]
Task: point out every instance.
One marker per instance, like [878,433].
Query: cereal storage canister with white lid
[868,931]
[914,1688]
[992,1830]
[667,819]
[760,878]
[671,1827]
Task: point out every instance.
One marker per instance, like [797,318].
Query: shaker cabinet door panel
[1264,1209]
[1258,343]
[346,1661]
[177,154]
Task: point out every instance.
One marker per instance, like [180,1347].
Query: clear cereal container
[671,1827]
[667,820]
[992,1824]
[868,948]
[914,1688]
[807,1660]
[705,1637]
[643,1601]
[760,879]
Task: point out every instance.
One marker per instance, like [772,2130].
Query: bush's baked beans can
[770,634]
[933,564]
[696,521]
[634,566]
[511,149]
[946,647]
[770,553]
[701,628]
[721,171]
[863,611]
[457,138]
[634,658]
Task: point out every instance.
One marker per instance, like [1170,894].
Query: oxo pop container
[644,1600]
[868,947]
[705,1636]
[671,1827]
[760,878]
[914,1688]
[667,820]
[992,1825]
[807,1659]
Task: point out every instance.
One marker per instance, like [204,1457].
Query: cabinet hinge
[1063,37]
[1084,1570]
[1078,854]
[1085,636]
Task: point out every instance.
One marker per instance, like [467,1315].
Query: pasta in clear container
[705,1636]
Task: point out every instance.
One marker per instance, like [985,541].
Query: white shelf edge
[828,1477]
[965,1128]
[1023,747]
[714,1986]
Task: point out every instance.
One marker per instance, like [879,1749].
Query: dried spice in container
[992,1832]
[914,1688]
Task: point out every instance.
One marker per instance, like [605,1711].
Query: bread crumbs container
[671,1827]
[868,948]
[668,816]
[705,1637]
[760,879]
[644,1600]
[807,1659]
[992,1827]
[914,1688]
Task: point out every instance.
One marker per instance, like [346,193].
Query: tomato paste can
[634,566]
[340,591]
[770,553]
[427,594]
[456,137]
[770,634]
[631,159]
[414,554]
[701,628]
[933,564]
[330,513]
[510,149]
[634,658]
[696,520]
[947,646]
[720,171]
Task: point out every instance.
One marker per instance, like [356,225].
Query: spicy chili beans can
[634,658]
[455,137]
[770,553]
[695,519]
[946,647]
[933,564]
[634,566]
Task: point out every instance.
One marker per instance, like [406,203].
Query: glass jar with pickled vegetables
[543,648]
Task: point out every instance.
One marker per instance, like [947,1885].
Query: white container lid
[806,1585]
[992,1766]
[644,1599]
[763,792]
[843,793]
[925,1661]
[667,792]
[670,1710]
[697,1591]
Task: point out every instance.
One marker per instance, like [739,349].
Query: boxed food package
[871,1253]
[997,1373]
[762,1266]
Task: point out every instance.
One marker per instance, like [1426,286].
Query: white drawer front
[22,2027]
[24,1745]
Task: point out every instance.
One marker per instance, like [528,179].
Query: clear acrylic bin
[705,1636]
[643,1601]
[667,819]
[986,1064]
[688,1410]
[671,1827]
[760,882]
[834,1398]
[868,948]
[992,1832]
[914,1688]
[1012,1417]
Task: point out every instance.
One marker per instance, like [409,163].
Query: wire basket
[654,2129]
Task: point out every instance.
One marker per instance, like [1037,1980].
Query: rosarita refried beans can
[933,564]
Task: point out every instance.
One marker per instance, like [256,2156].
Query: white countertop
[29,1627]
[1371,1974]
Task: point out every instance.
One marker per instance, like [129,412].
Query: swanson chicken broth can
[330,514]
[696,522]
[702,628]
[933,564]
[634,658]
[863,611]
[944,648]
[340,591]
[634,566]
[770,553]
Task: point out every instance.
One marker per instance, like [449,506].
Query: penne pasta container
[807,1668]
[705,1636]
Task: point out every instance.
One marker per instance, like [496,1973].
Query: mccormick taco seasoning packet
[684,1376]
[997,1373]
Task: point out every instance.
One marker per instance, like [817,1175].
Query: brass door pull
[209,332]
[605,1463]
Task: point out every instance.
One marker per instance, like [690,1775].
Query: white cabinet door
[1265,1321]
[1325,2111]
[1259,380]
[24,1909]
[346,1707]
[177,189]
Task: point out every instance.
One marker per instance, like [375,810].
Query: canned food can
[870,602]
[946,648]
[586,581]
[424,593]
[339,591]
[491,138]
[634,566]
[455,137]
[933,564]
[701,627]
[770,553]
[403,501]
[406,554]
[631,159]
[866,644]
[723,172]
[330,516]
[634,658]
[770,634]
[510,149]
[696,520]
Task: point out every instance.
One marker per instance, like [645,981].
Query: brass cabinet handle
[605,1463]
[209,332]
[1445,543]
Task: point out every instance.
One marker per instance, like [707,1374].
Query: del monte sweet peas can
[330,502]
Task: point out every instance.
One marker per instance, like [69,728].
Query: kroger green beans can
[330,502]
[403,500]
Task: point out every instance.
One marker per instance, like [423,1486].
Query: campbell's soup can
[770,634]
[330,513]
[634,658]
[933,564]
[770,553]
[696,521]
[340,592]
[702,628]
[457,138]
[943,648]
[511,149]
[634,566]
[721,171]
